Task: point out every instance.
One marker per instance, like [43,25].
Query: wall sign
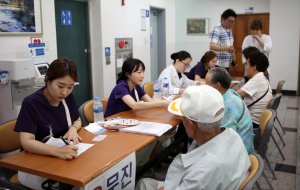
[107,55]
[65,17]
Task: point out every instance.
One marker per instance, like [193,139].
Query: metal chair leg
[279,135]
[278,147]
[267,180]
[257,185]
[276,118]
[269,165]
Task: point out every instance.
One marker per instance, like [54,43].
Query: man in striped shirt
[221,39]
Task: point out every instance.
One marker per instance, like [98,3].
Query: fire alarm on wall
[121,44]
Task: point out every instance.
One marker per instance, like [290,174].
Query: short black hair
[259,60]
[249,50]
[228,13]
[220,75]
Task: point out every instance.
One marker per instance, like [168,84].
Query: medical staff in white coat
[178,81]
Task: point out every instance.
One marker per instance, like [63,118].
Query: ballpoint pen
[63,139]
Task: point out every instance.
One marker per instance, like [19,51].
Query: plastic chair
[86,111]
[255,170]
[148,88]
[273,104]
[266,123]
[279,86]
[9,142]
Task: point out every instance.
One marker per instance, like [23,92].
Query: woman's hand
[72,135]
[67,152]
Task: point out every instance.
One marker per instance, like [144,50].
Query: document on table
[95,128]
[148,128]
[58,142]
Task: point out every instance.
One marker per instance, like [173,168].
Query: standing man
[222,39]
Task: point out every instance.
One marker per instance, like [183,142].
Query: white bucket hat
[202,104]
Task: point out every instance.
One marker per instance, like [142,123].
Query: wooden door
[240,30]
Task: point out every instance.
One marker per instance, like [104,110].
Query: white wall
[284,30]
[123,21]
[197,45]
[108,20]
[17,46]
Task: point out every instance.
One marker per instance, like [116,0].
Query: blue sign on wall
[36,49]
[65,17]
[147,13]
[107,51]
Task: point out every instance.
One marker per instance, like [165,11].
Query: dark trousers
[256,135]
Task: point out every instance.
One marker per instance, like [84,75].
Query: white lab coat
[174,82]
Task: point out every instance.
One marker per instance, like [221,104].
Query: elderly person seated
[237,115]
[257,91]
[216,159]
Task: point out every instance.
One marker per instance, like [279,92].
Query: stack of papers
[148,128]
[95,128]
[58,142]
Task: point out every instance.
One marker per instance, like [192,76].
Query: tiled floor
[285,170]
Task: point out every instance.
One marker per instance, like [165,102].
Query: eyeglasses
[187,65]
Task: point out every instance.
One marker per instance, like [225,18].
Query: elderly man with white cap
[216,159]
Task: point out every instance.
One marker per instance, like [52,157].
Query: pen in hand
[63,139]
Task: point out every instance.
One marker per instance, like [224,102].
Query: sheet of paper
[143,20]
[95,128]
[120,62]
[148,128]
[99,138]
[82,147]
